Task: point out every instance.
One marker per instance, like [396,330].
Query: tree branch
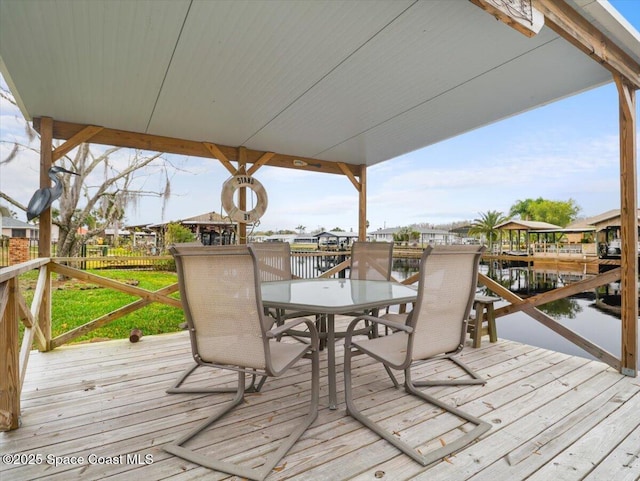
[13,201]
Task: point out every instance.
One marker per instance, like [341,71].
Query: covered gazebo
[520,227]
[329,87]
[608,227]
[210,228]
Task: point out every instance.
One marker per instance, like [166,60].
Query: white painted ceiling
[358,81]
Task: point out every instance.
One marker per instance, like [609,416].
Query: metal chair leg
[176,389]
[424,459]
[475,377]
[258,474]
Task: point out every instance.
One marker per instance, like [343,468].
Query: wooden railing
[14,360]
[529,307]
[36,318]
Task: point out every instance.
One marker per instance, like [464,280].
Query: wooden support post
[44,243]
[242,195]
[362,201]
[628,225]
[9,360]
[46,161]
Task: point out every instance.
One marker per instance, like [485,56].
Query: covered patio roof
[356,82]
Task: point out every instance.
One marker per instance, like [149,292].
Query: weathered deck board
[554,416]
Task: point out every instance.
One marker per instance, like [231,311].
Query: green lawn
[75,303]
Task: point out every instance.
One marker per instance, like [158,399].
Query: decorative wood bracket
[518,14]
[83,136]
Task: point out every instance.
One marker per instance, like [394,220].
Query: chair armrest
[283,328]
[378,320]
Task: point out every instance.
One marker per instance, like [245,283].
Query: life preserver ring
[236,182]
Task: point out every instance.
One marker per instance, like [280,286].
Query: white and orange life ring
[229,188]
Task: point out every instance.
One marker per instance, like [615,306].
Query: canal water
[579,313]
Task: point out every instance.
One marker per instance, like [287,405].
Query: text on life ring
[229,188]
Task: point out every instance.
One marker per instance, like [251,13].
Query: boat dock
[553,416]
[589,264]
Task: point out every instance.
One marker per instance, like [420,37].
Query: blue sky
[487,169]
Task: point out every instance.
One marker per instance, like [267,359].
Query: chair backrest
[371,261]
[274,260]
[446,289]
[220,294]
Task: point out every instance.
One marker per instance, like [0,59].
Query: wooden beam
[574,28]
[628,225]
[412,279]
[41,300]
[10,272]
[110,317]
[218,154]
[24,313]
[30,320]
[572,336]
[83,136]
[25,350]
[266,157]
[562,292]
[136,140]
[111,284]
[38,296]
[335,269]
[345,170]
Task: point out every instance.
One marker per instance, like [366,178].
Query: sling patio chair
[220,292]
[435,329]
[274,264]
[371,261]
[178,386]
[274,260]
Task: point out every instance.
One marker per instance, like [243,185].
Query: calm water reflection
[578,313]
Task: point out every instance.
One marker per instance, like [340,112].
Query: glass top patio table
[330,297]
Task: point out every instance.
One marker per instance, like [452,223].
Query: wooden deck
[554,416]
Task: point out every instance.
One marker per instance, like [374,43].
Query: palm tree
[486,225]
[406,235]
